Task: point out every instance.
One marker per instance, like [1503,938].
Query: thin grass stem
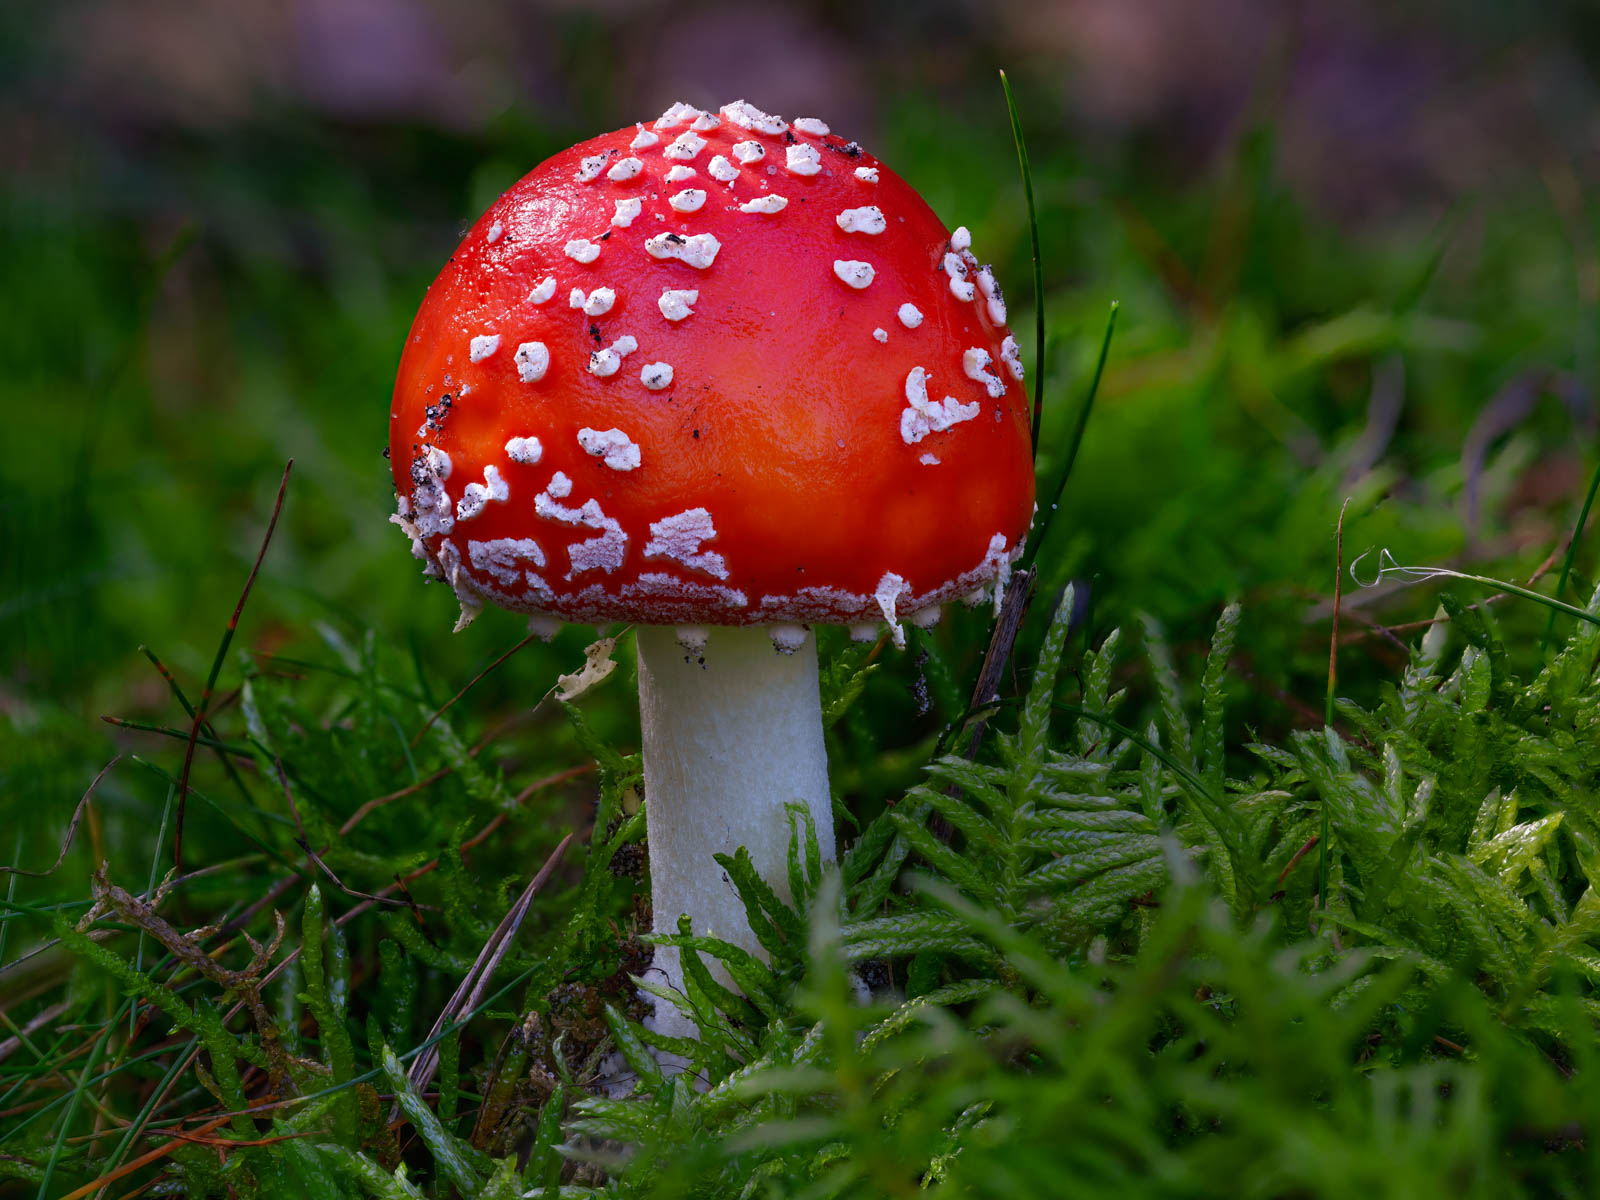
[73,1101]
[150,886]
[11,892]
[1078,428]
[1333,680]
[1572,552]
[1424,574]
[216,666]
[1038,262]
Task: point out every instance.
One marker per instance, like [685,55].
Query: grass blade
[1077,436]
[216,668]
[1424,574]
[1572,552]
[1038,263]
[84,1078]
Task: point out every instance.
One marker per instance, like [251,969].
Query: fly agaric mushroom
[725,377]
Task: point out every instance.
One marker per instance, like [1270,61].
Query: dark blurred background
[1354,245]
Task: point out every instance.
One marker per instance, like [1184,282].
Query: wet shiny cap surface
[715,368]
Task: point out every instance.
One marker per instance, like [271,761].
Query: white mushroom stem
[731,734]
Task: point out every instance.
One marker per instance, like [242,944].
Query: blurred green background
[1354,244]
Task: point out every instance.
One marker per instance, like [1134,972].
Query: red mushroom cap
[719,369]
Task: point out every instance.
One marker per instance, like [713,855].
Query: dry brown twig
[472,988]
[314,856]
[72,827]
[1012,610]
[185,947]
[357,910]
[470,684]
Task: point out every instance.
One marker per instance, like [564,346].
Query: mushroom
[779,402]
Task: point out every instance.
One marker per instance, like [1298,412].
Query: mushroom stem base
[731,735]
